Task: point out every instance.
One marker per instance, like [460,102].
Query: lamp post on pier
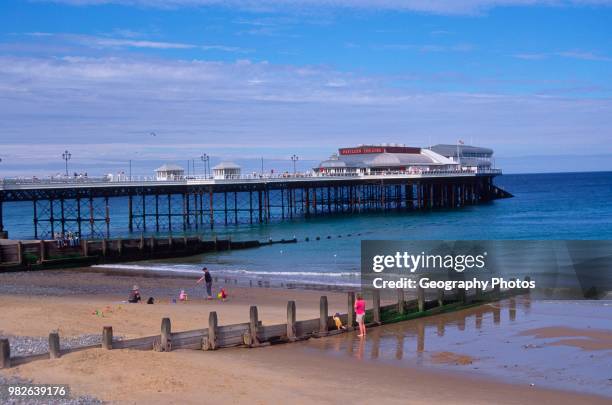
[66,156]
[294,158]
[205,158]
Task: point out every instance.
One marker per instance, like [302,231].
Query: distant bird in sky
[152,134]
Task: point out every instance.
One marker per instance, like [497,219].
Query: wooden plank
[234,327]
[189,334]
[191,342]
[19,360]
[268,332]
[308,327]
[228,341]
[143,343]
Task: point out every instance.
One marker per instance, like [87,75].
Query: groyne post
[440,297]
[54,345]
[5,353]
[324,316]
[420,298]
[401,307]
[107,337]
[42,251]
[20,253]
[166,335]
[212,330]
[291,320]
[350,310]
[376,306]
[528,280]
[253,322]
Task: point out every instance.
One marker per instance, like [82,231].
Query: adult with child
[207,278]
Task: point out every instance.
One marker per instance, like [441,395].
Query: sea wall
[43,254]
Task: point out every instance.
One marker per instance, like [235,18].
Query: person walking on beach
[360,306]
[208,280]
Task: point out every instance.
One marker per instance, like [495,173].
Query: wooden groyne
[255,334]
[44,254]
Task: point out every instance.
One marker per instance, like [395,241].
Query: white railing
[120,179]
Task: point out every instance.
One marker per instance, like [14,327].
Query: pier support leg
[157,213]
[225,207]
[144,212]
[259,206]
[34,203]
[130,214]
[2,233]
[107,216]
[79,219]
[211,207]
[250,206]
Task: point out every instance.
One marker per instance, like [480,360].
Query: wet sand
[517,340]
[454,358]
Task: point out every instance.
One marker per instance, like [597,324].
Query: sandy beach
[36,303]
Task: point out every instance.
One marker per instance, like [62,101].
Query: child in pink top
[360,306]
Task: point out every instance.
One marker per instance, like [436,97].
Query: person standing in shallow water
[208,280]
[360,306]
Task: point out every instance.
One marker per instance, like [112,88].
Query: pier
[94,208]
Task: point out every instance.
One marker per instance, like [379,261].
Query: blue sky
[243,79]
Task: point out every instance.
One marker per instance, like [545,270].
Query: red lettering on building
[378,149]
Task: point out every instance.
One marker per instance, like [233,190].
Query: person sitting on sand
[338,321]
[360,311]
[134,295]
[183,296]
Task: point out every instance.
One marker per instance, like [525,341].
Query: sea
[562,206]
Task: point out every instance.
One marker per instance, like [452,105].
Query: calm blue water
[545,206]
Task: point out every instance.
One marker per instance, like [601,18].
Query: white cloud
[426,6]
[531,56]
[583,55]
[575,54]
[102,42]
[109,105]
